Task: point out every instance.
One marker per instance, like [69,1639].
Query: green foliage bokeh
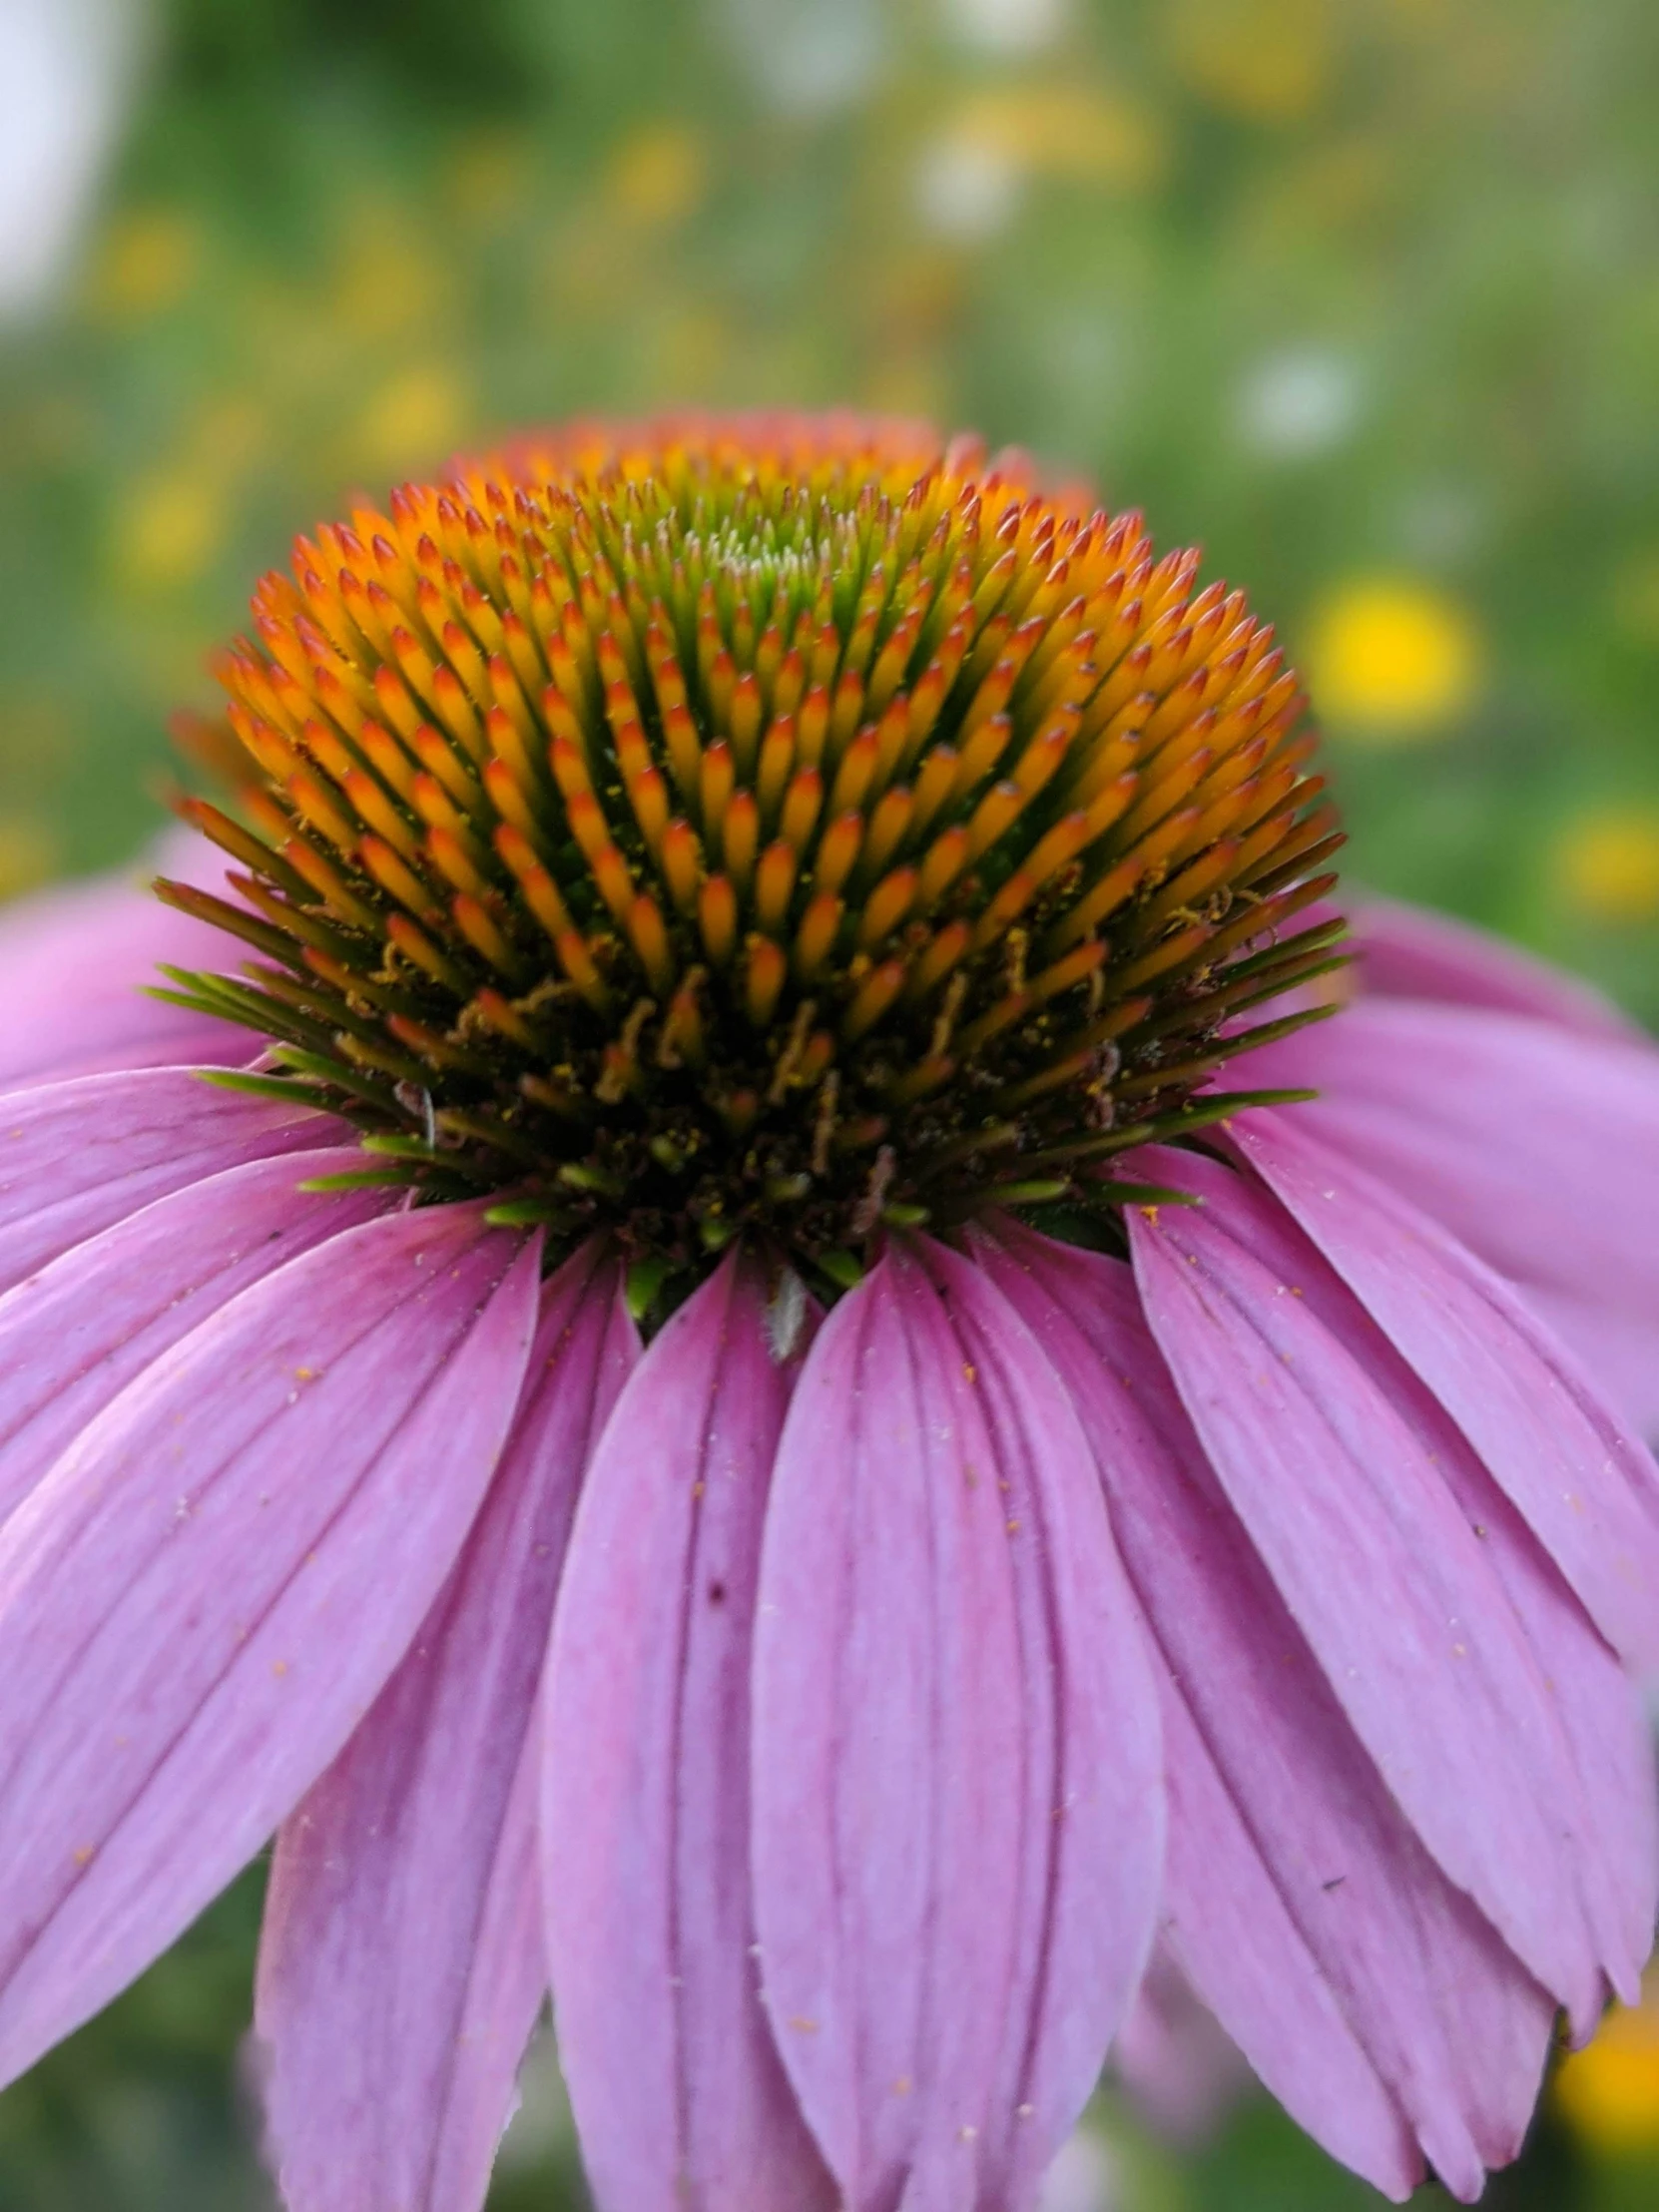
[1362,295]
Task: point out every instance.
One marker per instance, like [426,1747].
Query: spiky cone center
[785,828]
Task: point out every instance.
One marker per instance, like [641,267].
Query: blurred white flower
[1080,2180]
[966,185]
[1296,404]
[65,69]
[807,56]
[1006,26]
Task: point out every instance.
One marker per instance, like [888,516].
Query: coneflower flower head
[790,828]
[731,1413]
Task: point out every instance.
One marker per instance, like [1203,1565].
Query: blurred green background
[1362,295]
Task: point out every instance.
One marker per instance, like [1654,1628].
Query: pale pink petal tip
[957,1808]
[204,1595]
[402,1966]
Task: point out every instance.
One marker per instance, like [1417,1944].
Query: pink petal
[1404,2006]
[1363,1988]
[74,962]
[1377,1565]
[1231,1933]
[679,2098]
[401,1969]
[75,1334]
[77,1157]
[1588,1490]
[1409,953]
[1618,1351]
[958,1812]
[1536,1148]
[1178,2065]
[203,1597]
[1599,1721]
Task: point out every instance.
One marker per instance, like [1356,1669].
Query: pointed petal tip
[1361,2002]
[1287,1382]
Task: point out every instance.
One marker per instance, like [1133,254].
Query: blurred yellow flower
[1609,2091]
[1607,864]
[231,433]
[389,278]
[490,174]
[971,174]
[171,523]
[145,264]
[1078,131]
[411,421]
[1266,60]
[1636,598]
[658,174]
[1392,659]
[168,527]
[28,854]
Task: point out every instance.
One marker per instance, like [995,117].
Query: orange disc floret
[782,823]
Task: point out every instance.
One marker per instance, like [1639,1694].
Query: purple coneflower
[719,1406]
